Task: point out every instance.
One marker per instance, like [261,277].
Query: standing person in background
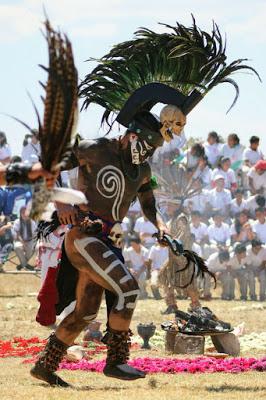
[259,226]
[238,267]
[219,264]
[158,256]
[233,150]
[256,264]
[145,229]
[136,257]
[31,149]
[5,152]
[253,154]
[213,148]
[24,243]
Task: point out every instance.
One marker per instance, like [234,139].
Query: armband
[17,173]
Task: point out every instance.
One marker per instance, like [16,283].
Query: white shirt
[259,181]
[16,230]
[5,152]
[252,155]
[142,226]
[229,176]
[252,205]
[234,263]
[137,260]
[237,208]
[255,260]
[199,232]
[214,264]
[31,153]
[219,234]
[219,200]
[125,224]
[158,256]
[260,230]
[198,202]
[205,175]
[234,153]
[197,249]
[213,152]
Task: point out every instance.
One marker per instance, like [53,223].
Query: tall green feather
[184,58]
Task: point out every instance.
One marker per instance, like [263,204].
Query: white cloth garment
[199,232]
[142,226]
[252,155]
[158,255]
[137,260]
[219,234]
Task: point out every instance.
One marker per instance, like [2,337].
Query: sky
[94,26]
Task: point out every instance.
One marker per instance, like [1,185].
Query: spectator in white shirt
[257,178]
[193,156]
[238,204]
[259,226]
[227,172]
[256,263]
[198,202]
[219,197]
[238,268]
[219,264]
[255,202]
[5,153]
[31,150]
[145,229]
[199,229]
[136,257]
[158,256]
[233,150]
[23,232]
[212,148]
[203,173]
[253,154]
[219,232]
[241,229]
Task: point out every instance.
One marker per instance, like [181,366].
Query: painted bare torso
[104,179]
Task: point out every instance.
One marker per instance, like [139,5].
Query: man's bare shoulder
[91,147]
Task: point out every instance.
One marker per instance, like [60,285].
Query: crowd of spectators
[227,214]
[227,217]
[16,229]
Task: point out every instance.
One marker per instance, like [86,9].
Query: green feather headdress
[186,60]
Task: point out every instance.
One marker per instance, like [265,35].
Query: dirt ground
[18,307]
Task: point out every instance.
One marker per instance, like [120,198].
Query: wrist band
[17,173]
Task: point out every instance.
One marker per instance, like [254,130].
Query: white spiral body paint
[112,181]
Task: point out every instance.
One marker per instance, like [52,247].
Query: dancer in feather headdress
[177,69]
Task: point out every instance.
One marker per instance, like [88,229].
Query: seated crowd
[224,201]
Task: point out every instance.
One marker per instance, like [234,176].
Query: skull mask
[116,235]
[173,121]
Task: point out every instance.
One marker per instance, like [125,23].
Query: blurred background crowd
[218,187]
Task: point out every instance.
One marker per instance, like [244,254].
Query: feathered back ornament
[60,102]
[187,61]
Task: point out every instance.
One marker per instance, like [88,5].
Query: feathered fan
[59,121]
[189,60]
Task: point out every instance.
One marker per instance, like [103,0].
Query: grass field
[17,317]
